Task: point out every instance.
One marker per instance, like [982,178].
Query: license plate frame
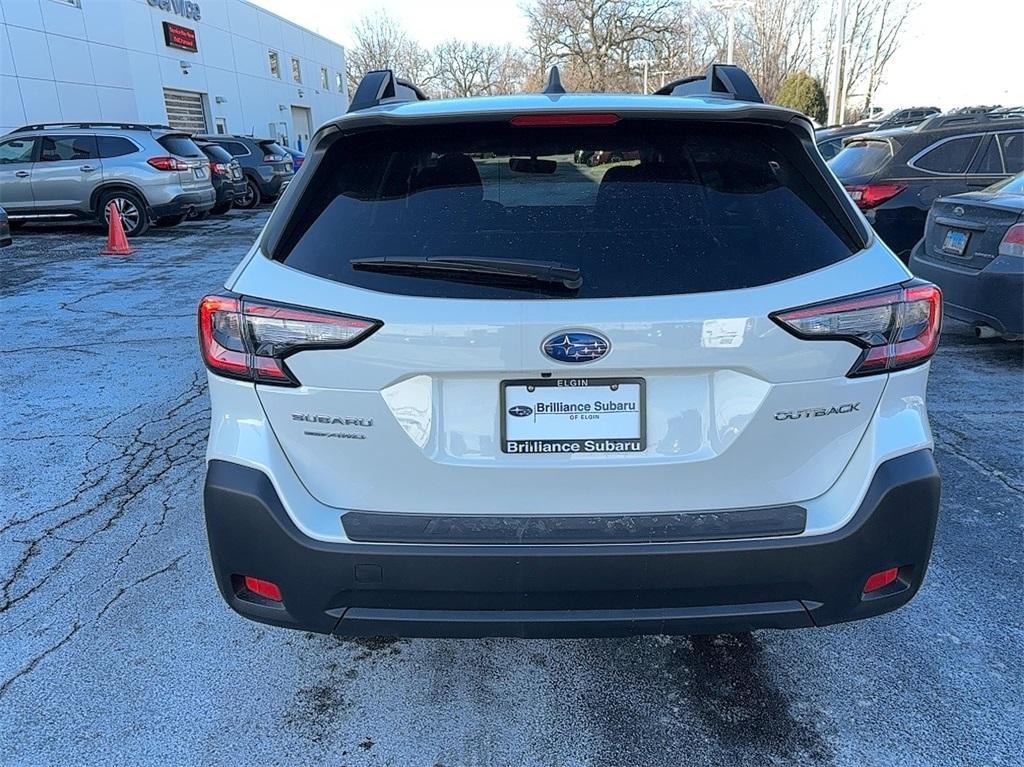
[603,444]
[955,242]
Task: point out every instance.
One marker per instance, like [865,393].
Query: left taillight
[868,196]
[249,340]
[896,327]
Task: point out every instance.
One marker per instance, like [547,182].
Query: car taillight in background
[168,163]
[868,196]
[897,327]
[1012,243]
[249,340]
[273,158]
[220,169]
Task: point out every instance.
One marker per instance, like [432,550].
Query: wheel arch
[116,186]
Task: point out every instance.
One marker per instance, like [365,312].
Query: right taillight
[249,339]
[868,196]
[896,327]
[1012,243]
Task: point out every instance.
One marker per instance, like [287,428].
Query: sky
[952,52]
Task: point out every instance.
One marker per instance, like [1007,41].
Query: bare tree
[597,40]
[473,69]
[873,29]
[382,43]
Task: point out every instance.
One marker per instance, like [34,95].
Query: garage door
[185,110]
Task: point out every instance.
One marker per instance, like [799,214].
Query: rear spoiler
[719,80]
[380,87]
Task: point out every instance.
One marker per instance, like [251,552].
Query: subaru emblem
[575,346]
[520,411]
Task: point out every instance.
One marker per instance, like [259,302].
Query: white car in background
[463,386]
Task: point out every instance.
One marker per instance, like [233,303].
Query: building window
[325,83]
[339,82]
[222,126]
[296,70]
[275,65]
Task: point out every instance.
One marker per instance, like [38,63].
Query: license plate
[573,415]
[956,242]
[199,172]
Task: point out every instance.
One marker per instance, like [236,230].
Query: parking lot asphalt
[115,647]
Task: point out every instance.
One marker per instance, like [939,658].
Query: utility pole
[646,64]
[835,106]
[730,7]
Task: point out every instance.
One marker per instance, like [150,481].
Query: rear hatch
[966,229]
[275,156]
[658,384]
[195,175]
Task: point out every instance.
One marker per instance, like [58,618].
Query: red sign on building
[180,37]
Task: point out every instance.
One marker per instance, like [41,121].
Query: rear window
[216,153]
[272,147]
[861,158]
[182,146]
[642,208]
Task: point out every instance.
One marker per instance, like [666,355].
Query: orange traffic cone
[117,242]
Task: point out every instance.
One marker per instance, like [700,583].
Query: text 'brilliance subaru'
[464,385]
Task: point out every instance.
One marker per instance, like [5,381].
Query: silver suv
[153,173]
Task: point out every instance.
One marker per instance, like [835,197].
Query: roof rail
[87,125]
[381,86]
[950,119]
[722,80]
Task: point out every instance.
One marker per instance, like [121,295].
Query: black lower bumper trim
[544,624]
[359,589]
[384,527]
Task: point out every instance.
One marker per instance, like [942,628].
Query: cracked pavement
[115,647]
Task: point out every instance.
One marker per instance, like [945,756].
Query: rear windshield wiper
[552,272]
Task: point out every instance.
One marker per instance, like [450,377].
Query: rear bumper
[200,201]
[228,191]
[272,184]
[993,296]
[556,590]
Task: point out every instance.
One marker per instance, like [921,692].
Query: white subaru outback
[568,365]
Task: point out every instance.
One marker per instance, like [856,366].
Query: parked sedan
[973,248]
[5,229]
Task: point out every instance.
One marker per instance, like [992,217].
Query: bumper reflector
[265,589]
[879,580]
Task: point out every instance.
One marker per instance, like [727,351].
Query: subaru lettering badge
[575,346]
[520,411]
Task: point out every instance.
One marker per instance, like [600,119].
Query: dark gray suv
[152,173]
[267,166]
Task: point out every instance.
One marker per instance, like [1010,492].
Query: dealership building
[216,66]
